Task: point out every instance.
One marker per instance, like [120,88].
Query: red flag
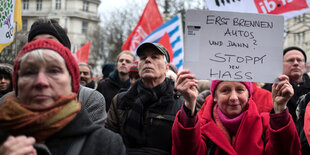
[165,41]
[82,54]
[148,22]
[272,7]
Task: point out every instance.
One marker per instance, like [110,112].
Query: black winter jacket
[110,86]
[299,90]
[144,117]
[98,139]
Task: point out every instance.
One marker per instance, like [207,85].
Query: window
[39,5]
[303,17]
[85,6]
[296,38]
[84,27]
[300,18]
[25,4]
[58,4]
[25,23]
[302,37]
[299,37]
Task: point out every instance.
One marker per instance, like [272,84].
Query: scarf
[137,101]
[229,126]
[40,123]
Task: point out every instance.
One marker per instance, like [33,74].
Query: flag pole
[14,40]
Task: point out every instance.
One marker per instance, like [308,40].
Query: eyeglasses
[292,61]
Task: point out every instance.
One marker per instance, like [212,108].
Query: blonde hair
[126,52]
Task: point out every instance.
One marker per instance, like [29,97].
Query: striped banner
[175,31]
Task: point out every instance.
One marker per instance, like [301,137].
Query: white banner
[287,8]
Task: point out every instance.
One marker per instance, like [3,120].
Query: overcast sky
[110,5]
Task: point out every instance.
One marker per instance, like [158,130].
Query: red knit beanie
[134,67]
[64,52]
[215,83]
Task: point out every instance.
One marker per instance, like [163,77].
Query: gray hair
[87,65]
[38,54]
[165,60]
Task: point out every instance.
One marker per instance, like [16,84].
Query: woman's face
[231,97]
[40,83]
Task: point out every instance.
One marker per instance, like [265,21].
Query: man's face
[124,63]
[294,65]
[4,82]
[152,64]
[85,75]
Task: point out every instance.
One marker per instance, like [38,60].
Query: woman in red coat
[231,124]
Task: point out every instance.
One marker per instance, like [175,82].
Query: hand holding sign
[186,84]
[281,93]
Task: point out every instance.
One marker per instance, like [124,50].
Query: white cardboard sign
[234,46]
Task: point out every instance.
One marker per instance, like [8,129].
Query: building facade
[79,17]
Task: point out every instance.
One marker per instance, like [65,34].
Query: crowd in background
[52,105]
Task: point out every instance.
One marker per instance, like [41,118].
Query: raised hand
[281,93]
[186,84]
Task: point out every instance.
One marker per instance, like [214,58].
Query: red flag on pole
[148,22]
[165,41]
[82,54]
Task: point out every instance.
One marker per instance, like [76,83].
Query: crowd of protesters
[50,104]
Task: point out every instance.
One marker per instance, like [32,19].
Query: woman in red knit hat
[230,123]
[43,115]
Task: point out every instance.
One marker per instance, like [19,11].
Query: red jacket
[191,141]
[307,123]
[262,98]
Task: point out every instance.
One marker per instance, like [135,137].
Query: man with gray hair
[86,76]
[144,114]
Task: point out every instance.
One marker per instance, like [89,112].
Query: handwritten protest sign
[234,46]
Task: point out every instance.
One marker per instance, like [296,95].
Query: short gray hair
[38,54]
[87,65]
[165,59]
